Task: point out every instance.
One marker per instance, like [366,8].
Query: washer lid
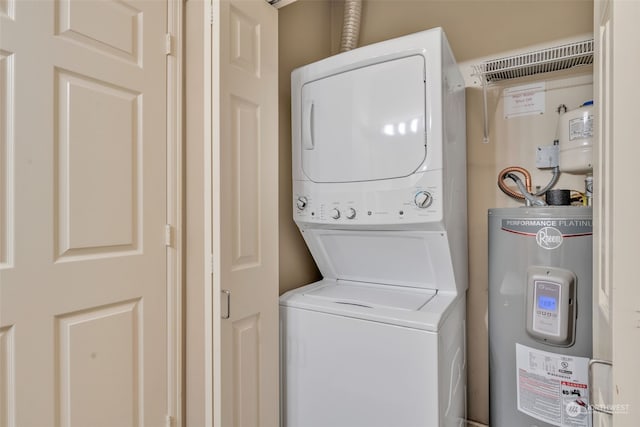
[423,309]
[371,295]
[413,259]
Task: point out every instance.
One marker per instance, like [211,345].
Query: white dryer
[379,170]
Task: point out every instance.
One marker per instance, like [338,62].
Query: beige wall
[310,30]
[304,37]
[475,28]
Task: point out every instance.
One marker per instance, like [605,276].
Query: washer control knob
[423,199]
[301,203]
[351,213]
[335,213]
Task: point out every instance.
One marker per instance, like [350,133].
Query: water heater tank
[540,285]
[576,140]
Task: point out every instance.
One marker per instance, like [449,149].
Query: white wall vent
[537,62]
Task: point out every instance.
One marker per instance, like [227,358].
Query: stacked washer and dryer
[379,195]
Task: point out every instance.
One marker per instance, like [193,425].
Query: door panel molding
[7,378]
[245,165]
[103,219]
[246,371]
[6,158]
[82,396]
[88,26]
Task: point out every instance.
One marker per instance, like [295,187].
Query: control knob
[351,213]
[335,213]
[423,199]
[301,203]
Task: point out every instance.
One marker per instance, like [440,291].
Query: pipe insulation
[351,25]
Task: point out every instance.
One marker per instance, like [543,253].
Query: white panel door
[245,215]
[616,229]
[83,285]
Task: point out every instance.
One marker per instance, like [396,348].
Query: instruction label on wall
[553,387]
[524,100]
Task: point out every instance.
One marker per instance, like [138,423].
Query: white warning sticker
[581,127]
[553,387]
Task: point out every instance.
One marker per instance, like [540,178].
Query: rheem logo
[549,238]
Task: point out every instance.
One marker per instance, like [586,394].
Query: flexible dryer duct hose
[351,25]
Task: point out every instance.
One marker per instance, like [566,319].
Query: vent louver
[536,62]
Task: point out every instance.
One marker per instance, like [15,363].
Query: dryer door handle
[307,126]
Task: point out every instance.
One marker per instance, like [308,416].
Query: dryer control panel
[354,204]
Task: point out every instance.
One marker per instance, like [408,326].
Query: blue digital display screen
[546,302]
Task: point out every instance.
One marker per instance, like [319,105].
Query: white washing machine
[379,170]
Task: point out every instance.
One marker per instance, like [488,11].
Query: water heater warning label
[553,387]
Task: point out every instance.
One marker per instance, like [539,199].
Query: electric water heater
[540,281]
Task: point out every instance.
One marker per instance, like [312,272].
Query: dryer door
[365,124]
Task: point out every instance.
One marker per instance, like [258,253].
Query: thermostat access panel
[551,305]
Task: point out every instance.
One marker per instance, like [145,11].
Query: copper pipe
[509,192]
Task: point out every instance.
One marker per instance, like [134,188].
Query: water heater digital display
[551,305]
[547,303]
